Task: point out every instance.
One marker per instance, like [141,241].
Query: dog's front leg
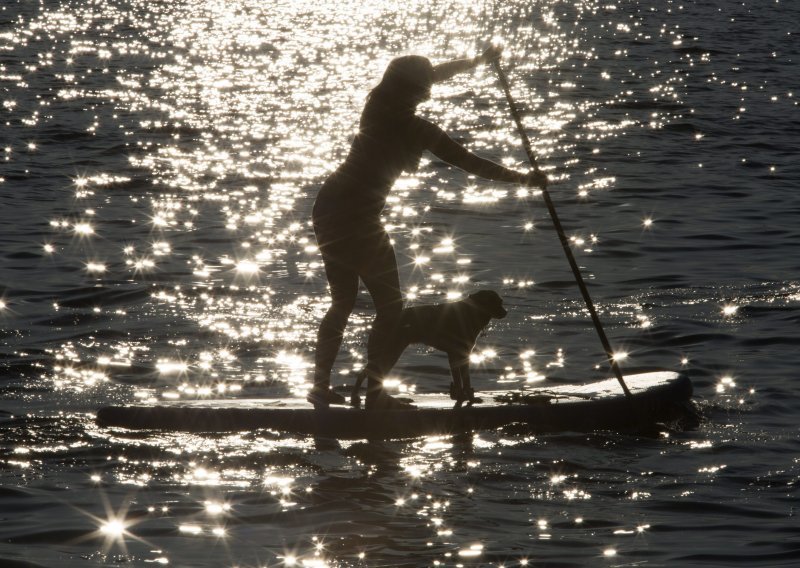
[457,386]
[466,384]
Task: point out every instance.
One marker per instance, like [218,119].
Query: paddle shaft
[560,230]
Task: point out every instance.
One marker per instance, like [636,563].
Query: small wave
[770,341]
[12,563]
[696,50]
[708,507]
[703,339]
[663,280]
[681,127]
[22,255]
[60,134]
[103,296]
[647,105]
[759,559]
[556,284]
[58,536]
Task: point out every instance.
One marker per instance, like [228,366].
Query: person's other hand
[536,179]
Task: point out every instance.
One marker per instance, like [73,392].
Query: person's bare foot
[322,397]
[379,399]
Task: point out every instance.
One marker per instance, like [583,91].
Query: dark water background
[157,165]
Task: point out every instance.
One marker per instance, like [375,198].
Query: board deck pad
[600,405]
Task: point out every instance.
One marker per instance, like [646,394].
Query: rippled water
[159,160]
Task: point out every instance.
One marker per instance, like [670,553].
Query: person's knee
[339,312]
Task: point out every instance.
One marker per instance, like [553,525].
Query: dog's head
[488,301]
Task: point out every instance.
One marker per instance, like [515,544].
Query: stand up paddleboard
[656,396]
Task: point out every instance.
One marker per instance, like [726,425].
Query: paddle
[560,230]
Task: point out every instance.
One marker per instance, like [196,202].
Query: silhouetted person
[346,214]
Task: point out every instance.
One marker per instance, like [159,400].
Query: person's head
[407,81]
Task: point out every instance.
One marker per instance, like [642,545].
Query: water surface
[159,161]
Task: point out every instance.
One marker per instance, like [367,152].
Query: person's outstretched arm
[447,149]
[446,70]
